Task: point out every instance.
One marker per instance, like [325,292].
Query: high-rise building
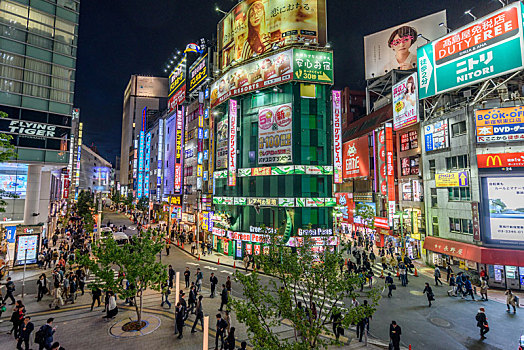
[95,171]
[38,47]
[144,96]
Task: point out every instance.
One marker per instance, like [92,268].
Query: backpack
[40,336]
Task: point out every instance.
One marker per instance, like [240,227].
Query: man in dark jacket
[482,322]
[10,288]
[24,335]
[214,281]
[224,297]
[49,331]
[389,284]
[221,329]
[187,275]
[171,274]
[179,319]
[394,334]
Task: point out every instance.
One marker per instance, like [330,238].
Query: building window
[459,194]
[464,226]
[434,201]
[457,162]
[459,128]
[432,168]
[435,226]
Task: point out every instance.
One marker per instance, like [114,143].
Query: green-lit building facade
[284,164]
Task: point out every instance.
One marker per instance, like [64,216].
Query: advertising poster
[346,206]
[198,72]
[356,158]
[255,27]
[436,136]
[271,70]
[506,208]
[337,137]
[232,145]
[221,161]
[405,103]
[396,47]
[500,124]
[29,243]
[485,48]
[275,126]
[299,64]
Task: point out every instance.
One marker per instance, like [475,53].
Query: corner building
[283,176]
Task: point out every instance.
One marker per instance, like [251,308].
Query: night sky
[118,38]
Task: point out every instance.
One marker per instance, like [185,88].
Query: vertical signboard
[232,147]
[337,137]
[475,218]
[147,165]
[179,142]
[485,48]
[140,175]
[436,136]
[390,172]
[405,103]
[356,158]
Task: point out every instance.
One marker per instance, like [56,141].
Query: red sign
[356,158]
[381,222]
[348,206]
[501,160]
[177,99]
[479,34]
[257,249]
[249,248]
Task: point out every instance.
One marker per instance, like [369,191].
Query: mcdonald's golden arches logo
[495,160]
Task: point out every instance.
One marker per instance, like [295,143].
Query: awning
[368,123]
[483,255]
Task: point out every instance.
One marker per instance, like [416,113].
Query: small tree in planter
[136,263]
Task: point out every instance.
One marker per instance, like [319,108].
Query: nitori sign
[486,48]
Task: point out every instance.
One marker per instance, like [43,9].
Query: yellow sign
[459,179]
[175,200]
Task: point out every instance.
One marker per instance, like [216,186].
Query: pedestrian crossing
[91,278]
[320,295]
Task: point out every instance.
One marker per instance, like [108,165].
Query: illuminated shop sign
[500,124]
[232,147]
[337,137]
[275,125]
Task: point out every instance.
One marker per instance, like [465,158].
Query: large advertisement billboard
[177,85]
[436,135]
[405,103]
[503,208]
[221,140]
[179,144]
[298,64]
[500,124]
[337,137]
[396,47]
[256,27]
[485,48]
[198,73]
[275,126]
[356,158]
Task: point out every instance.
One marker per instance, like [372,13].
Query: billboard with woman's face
[256,27]
[396,47]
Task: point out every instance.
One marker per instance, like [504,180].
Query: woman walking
[484,289]
[429,293]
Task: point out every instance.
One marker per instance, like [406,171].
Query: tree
[306,275]
[367,214]
[7,152]
[116,197]
[136,263]
[85,209]
[128,200]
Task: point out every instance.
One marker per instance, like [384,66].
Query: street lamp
[448,29]
[468,12]
[219,10]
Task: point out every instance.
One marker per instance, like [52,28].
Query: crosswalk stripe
[302,289]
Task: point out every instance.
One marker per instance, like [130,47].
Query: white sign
[232,148]
[396,47]
[31,128]
[405,103]
[337,138]
[506,200]
[275,126]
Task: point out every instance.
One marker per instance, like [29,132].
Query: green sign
[486,48]
[313,66]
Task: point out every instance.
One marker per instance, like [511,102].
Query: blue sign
[206,93]
[436,136]
[10,234]
[206,134]
[200,133]
[206,156]
[463,179]
[206,174]
[200,158]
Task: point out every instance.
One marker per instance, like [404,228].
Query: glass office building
[38,48]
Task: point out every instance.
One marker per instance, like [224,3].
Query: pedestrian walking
[510,300]
[436,273]
[187,275]
[221,327]
[167,249]
[96,293]
[230,340]
[24,335]
[227,318]
[9,290]
[214,281]
[449,272]
[171,274]
[228,284]
[223,297]
[47,333]
[484,289]
[390,284]
[192,299]
[165,295]
[429,293]
[403,273]
[469,288]
[199,279]
[482,322]
[179,319]
[199,314]
[336,318]
[112,309]
[42,288]
[394,336]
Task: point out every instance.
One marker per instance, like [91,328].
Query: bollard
[234,264]
[218,262]
[416,273]
[198,257]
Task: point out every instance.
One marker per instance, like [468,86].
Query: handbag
[390,347]
[393,287]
